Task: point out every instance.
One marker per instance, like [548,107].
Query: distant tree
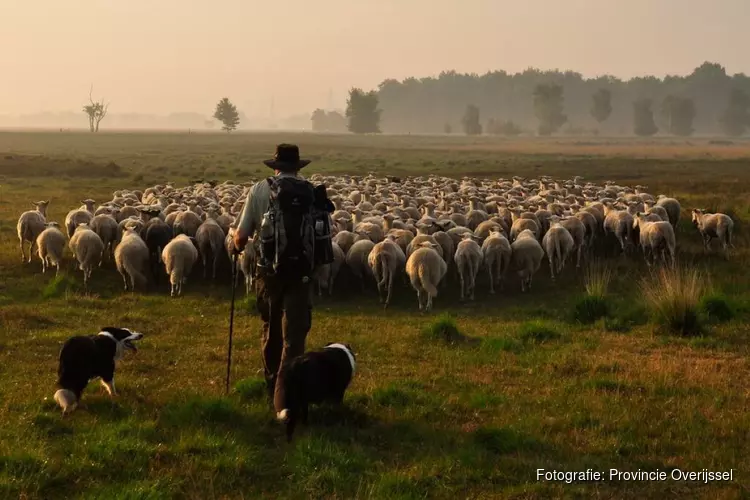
[362,112]
[226,113]
[470,121]
[679,113]
[96,111]
[318,120]
[548,108]
[447,128]
[736,117]
[331,121]
[510,129]
[601,106]
[643,118]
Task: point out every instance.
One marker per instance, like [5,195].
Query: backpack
[295,232]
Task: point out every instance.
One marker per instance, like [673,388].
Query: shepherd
[292,219]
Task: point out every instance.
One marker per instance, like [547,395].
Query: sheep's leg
[551,267]
[124,280]
[31,250]
[23,251]
[419,299]
[216,264]
[463,285]
[389,283]
[205,265]
[492,278]
[578,255]
[44,265]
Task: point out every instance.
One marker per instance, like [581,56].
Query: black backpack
[295,233]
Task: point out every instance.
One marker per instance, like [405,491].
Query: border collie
[313,377]
[85,357]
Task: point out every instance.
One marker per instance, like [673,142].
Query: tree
[548,108]
[679,114]
[736,117]
[470,121]
[447,128]
[643,118]
[226,113]
[331,121]
[601,107]
[362,112]
[96,111]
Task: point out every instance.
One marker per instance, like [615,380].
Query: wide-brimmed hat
[286,158]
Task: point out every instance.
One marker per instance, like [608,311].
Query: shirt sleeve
[256,204]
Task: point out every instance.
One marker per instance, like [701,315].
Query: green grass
[423,418]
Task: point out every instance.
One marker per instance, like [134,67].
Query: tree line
[547,102]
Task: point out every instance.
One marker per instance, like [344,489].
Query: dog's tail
[66,399]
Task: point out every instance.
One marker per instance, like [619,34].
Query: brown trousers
[285,306]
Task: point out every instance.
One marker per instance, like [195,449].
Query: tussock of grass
[673,296]
[596,279]
[498,344]
[537,331]
[590,308]
[58,286]
[443,328]
[717,308]
[619,325]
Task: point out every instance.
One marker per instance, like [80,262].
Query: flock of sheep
[428,230]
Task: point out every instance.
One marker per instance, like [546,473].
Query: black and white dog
[85,357]
[313,377]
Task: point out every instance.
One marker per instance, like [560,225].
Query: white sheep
[558,245]
[51,245]
[75,218]
[386,260]
[618,223]
[247,261]
[497,253]
[673,208]
[325,275]
[106,227]
[132,259]
[87,248]
[468,260]
[210,238]
[179,257]
[357,260]
[426,269]
[30,224]
[187,222]
[712,226]
[577,230]
[657,238]
[526,257]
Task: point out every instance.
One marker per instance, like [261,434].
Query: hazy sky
[183,55]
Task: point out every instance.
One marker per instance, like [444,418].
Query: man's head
[286,159]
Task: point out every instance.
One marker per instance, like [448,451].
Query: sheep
[468,260]
[497,253]
[618,223]
[51,244]
[417,241]
[558,244]
[522,224]
[426,269]
[357,260]
[247,261]
[712,226]
[131,259]
[107,229]
[87,248]
[76,217]
[326,274]
[672,207]
[656,238]
[210,238]
[345,239]
[30,224]
[526,257]
[577,230]
[187,222]
[179,257]
[386,259]
[157,236]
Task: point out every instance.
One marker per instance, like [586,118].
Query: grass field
[528,388]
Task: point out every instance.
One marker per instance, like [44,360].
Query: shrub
[443,328]
[717,308]
[538,331]
[672,296]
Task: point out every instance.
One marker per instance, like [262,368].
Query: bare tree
[96,111]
